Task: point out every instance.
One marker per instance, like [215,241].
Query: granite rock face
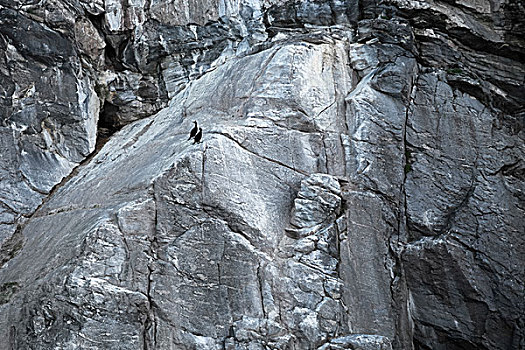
[359,183]
[48,114]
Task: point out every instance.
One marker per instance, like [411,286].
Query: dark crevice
[430,18]
[114,52]
[111,56]
[515,169]
[11,246]
[444,339]
[97,21]
[149,332]
[108,123]
[460,48]
[149,335]
[398,284]
[260,280]
[476,87]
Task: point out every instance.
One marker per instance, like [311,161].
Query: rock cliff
[359,184]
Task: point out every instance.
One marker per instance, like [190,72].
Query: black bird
[198,137]
[194,130]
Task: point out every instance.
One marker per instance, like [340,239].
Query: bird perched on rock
[193,131]
[198,137]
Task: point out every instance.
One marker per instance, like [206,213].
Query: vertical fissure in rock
[398,287]
[150,324]
[150,327]
[203,183]
[261,291]
[407,165]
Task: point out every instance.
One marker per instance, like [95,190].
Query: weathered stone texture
[48,118]
[359,184]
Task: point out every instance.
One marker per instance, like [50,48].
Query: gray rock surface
[358,342]
[359,184]
[48,115]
